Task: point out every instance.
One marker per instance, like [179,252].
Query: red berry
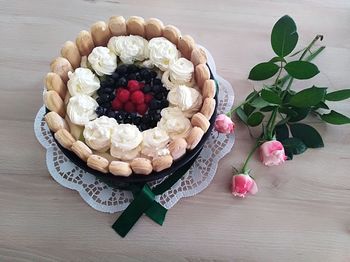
[148,98]
[137,97]
[142,84]
[133,85]
[141,109]
[117,104]
[129,107]
[123,95]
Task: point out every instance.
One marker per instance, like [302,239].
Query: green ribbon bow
[144,201]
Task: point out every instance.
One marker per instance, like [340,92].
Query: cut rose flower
[243,184]
[272,153]
[224,124]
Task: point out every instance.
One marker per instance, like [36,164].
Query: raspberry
[123,95]
[129,107]
[148,98]
[137,97]
[133,85]
[117,104]
[141,109]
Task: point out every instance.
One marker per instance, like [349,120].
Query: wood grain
[302,211]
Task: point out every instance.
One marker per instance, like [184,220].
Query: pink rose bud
[224,124]
[272,153]
[243,184]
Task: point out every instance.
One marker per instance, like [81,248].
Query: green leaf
[301,69]
[301,113]
[248,109]
[335,118]
[242,115]
[295,145]
[255,119]
[338,95]
[271,97]
[321,105]
[267,108]
[284,36]
[263,71]
[307,134]
[308,97]
[259,103]
[288,111]
[251,95]
[282,132]
[278,59]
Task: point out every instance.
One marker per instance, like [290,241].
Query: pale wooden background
[302,212]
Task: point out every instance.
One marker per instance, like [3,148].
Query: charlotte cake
[130,96]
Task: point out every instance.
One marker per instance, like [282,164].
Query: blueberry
[159,96]
[111,96]
[122,82]
[138,77]
[145,74]
[104,98]
[119,117]
[127,119]
[144,126]
[107,90]
[164,103]
[157,81]
[100,111]
[153,74]
[132,68]
[115,75]
[156,88]
[122,70]
[131,76]
[137,120]
[147,88]
[111,114]
[155,104]
[146,118]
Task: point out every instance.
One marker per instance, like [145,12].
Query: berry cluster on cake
[130,96]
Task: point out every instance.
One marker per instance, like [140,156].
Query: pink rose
[272,153]
[224,124]
[243,184]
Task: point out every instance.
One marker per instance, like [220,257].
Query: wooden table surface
[302,212]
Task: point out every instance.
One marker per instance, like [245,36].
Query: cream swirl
[97,133]
[82,81]
[129,48]
[181,71]
[154,142]
[103,61]
[174,122]
[188,99]
[81,109]
[125,142]
[162,52]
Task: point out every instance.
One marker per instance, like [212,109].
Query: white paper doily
[107,199]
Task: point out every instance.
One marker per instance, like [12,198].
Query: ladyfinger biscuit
[55,122]
[100,33]
[209,88]
[75,130]
[201,121]
[84,43]
[186,45]
[81,150]
[201,74]
[162,162]
[208,107]
[172,33]
[135,25]
[54,82]
[64,138]
[70,51]
[117,25]
[198,56]
[120,168]
[98,163]
[54,102]
[61,66]
[142,166]
[154,28]
[194,137]
[177,148]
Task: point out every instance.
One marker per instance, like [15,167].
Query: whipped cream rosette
[81,109]
[181,71]
[103,60]
[83,81]
[154,142]
[162,52]
[174,122]
[129,48]
[125,142]
[188,99]
[97,133]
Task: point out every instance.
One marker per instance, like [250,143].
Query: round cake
[130,96]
